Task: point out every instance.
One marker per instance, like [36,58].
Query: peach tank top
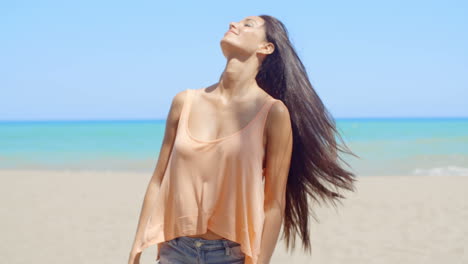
[216,185]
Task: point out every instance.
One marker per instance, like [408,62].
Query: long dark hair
[315,159]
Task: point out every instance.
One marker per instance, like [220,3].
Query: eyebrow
[251,19]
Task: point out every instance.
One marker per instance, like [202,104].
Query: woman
[242,156]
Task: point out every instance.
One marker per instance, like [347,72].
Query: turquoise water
[385,146]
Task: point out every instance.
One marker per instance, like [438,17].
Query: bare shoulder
[176,106]
[278,128]
[278,123]
[278,116]
[179,98]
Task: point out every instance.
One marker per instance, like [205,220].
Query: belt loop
[175,240]
[226,246]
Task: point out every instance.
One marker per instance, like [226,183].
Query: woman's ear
[271,47]
[267,48]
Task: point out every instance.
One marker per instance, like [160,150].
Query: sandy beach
[91,217]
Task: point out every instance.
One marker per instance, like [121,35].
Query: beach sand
[91,217]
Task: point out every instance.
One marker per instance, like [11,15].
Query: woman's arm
[278,160]
[155,181]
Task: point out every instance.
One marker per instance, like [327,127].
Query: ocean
[387,146]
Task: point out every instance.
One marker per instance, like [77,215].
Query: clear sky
[88,60]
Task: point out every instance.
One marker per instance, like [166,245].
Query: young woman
[241,157]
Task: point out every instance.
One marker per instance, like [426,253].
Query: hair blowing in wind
[315,171]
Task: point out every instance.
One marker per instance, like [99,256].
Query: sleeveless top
[213,184]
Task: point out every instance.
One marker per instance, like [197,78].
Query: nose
[232,25]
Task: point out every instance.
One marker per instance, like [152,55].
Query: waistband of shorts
[206,242]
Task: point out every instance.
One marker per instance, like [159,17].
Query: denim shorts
[196,250]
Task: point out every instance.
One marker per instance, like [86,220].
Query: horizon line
[158,120]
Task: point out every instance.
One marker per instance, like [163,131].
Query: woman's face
[245,37]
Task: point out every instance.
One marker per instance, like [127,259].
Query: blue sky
[89,60]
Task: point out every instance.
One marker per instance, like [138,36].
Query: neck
[238,77]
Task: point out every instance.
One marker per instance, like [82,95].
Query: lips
[232,31]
